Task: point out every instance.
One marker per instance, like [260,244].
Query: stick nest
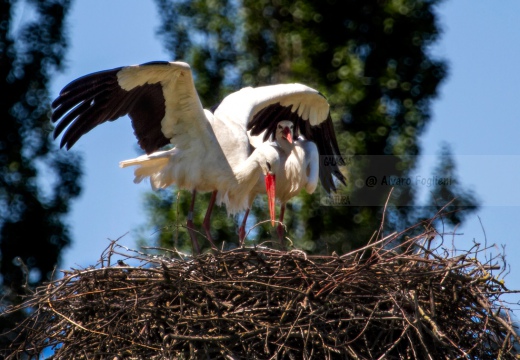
[385,301]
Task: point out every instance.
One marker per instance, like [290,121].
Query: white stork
[298,169]
[211,151]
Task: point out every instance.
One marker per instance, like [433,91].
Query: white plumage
[212,151]
[298,169]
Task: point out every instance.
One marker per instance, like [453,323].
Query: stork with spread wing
[212,150]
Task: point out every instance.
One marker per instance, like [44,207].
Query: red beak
[270,185]
[287,134]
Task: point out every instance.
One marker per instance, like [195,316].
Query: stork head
[285,131]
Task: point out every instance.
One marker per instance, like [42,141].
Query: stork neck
[286,146]
[249,170]
[256,164]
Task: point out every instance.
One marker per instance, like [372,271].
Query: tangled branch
[396,298]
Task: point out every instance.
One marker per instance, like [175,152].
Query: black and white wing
[159,97]
[260,109]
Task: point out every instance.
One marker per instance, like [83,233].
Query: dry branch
[405,302]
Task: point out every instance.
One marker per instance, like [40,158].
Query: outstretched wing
[260,109]
[159,97]
[324,136]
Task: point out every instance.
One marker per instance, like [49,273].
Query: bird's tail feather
[149,167]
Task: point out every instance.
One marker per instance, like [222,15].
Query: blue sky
[476,113]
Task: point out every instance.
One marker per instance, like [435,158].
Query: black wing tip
[320,93]
[340,177]
[55,116]
[57,102]
[68,141]
[330,185]
[155,62]
[63,143]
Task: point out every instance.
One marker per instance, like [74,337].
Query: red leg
[280,229]
[191,227]
[206,224]
[242,229]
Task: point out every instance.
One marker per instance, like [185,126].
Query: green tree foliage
[447,192]
[370,58]
[37,182]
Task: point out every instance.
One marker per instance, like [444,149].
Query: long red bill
[287,134]
[270,186]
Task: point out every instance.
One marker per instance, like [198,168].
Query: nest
[397,298]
